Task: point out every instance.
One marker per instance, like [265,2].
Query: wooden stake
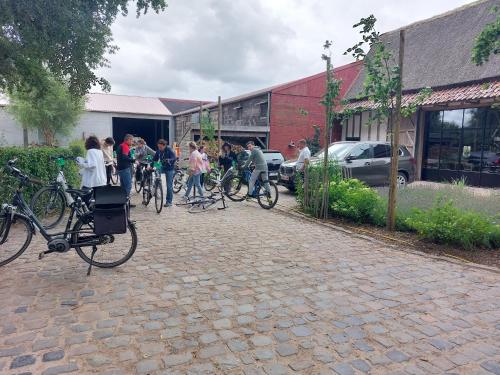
[219,124]
[201,128]
[396,126]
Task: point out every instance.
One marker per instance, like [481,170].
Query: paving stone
[227,362]
[208,338]
[281,336]
[45,344]
[441,344]
[361,365]
[61,369]
[301,365]
[286,350]
[53,356]
[10,352]
[301,331]
[264,354]
[245,320]
[177,359]
[24,360]
[77,350]
[261,340]
[237,345]
[98,360]
[212,351]
[343,369]
[397,356]
[147,366]
[323,355]
[491,366]
[223,324]
[201,369]
[275,369]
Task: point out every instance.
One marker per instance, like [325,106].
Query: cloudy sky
[198,49]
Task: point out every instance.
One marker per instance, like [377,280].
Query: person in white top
[93,170]
[304,155]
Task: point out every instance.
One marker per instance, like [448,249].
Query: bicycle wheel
[48,205]
[203,205]
[237,189]
[114,175]
[18,237]
[177,182]
[115,250]
[267,200]
[210,180]
[158,194]
[146,191]
[138,184]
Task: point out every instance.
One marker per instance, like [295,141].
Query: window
[195,118]
[239,113]
[263,109]
[381,151]
[361,151]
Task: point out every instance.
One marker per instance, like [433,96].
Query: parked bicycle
[203,204]
[50,202]
[211,178]
[18,223]
[152,186]
[140,173]
[238,190]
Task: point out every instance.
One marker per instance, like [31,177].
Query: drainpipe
[268,118]
[417,152]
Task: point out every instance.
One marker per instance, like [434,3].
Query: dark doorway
[150,130]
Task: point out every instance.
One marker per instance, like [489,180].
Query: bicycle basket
[110,211]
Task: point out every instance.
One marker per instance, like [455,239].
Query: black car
[274,160]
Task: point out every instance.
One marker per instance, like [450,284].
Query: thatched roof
[438,50]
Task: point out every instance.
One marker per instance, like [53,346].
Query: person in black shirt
[167,157]
[124,162]
[227,157]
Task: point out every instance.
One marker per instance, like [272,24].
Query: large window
[463,141]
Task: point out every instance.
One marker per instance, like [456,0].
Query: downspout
[268,118]
[418,153]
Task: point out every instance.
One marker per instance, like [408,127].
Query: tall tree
[487,42]
[53,111]
[70,38]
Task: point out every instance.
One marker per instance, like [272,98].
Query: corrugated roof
[139,105]
[476,91]
[179,105]
[277,87]
[438,50]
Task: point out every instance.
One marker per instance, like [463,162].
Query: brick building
[275,117]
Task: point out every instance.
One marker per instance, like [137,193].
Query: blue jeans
[169,176]
[194,179]
[126,180]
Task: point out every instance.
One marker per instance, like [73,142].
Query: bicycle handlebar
[23,179]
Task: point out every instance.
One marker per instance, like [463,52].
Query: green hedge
[34,161]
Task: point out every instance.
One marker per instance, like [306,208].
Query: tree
[53,111]
[314,142]
[70,38]
[383,87]
[487,42]
[331,103]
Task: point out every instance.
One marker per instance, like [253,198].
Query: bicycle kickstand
[224,205]
[94,249]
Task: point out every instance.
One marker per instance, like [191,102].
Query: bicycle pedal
[41,255]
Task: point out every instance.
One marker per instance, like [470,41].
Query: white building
[105,115]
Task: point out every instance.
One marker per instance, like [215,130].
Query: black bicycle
[18,223]
[152,186]
[237,190]
[50,202]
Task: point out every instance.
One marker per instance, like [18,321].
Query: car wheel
[401,180]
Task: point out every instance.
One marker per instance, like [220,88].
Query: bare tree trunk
[396,126]
[219,124]
[25,136]
[201,127]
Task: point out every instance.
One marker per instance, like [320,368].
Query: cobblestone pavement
[248,291]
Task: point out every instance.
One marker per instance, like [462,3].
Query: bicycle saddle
[79,192]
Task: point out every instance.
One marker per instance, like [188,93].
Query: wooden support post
[396,126]
[306,184]
[201,127]
[219,124]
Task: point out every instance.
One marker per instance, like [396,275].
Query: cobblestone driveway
[248,291]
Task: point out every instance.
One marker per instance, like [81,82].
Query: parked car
[367,161]
[274,160]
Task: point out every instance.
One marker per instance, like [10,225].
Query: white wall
[96,123]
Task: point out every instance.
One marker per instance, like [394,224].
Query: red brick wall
[287,123]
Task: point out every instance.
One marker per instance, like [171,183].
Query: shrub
[354,200]
[34,161]
[77,147]
[445,223]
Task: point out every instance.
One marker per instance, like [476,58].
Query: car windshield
[337,151]
[273,156]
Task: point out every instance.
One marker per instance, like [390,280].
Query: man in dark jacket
[124,161]
[167,157]
[227,157]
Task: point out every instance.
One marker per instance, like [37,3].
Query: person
[124,163]
[205,165]
[304,155]
[166,156]
[195,168]
[107,150]
[141,151]
[227,157]
[259,161]
[93,170]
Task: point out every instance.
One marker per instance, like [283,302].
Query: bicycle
[140,172]
[157,185]
[205,203]
[211,178]
[50,202]
[18,223]
[237,191]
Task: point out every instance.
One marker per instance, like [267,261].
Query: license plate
[285,178]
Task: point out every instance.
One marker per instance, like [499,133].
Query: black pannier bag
[110,211]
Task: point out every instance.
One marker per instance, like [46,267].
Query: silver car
[368,161]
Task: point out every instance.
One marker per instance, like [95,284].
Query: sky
[199,49]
